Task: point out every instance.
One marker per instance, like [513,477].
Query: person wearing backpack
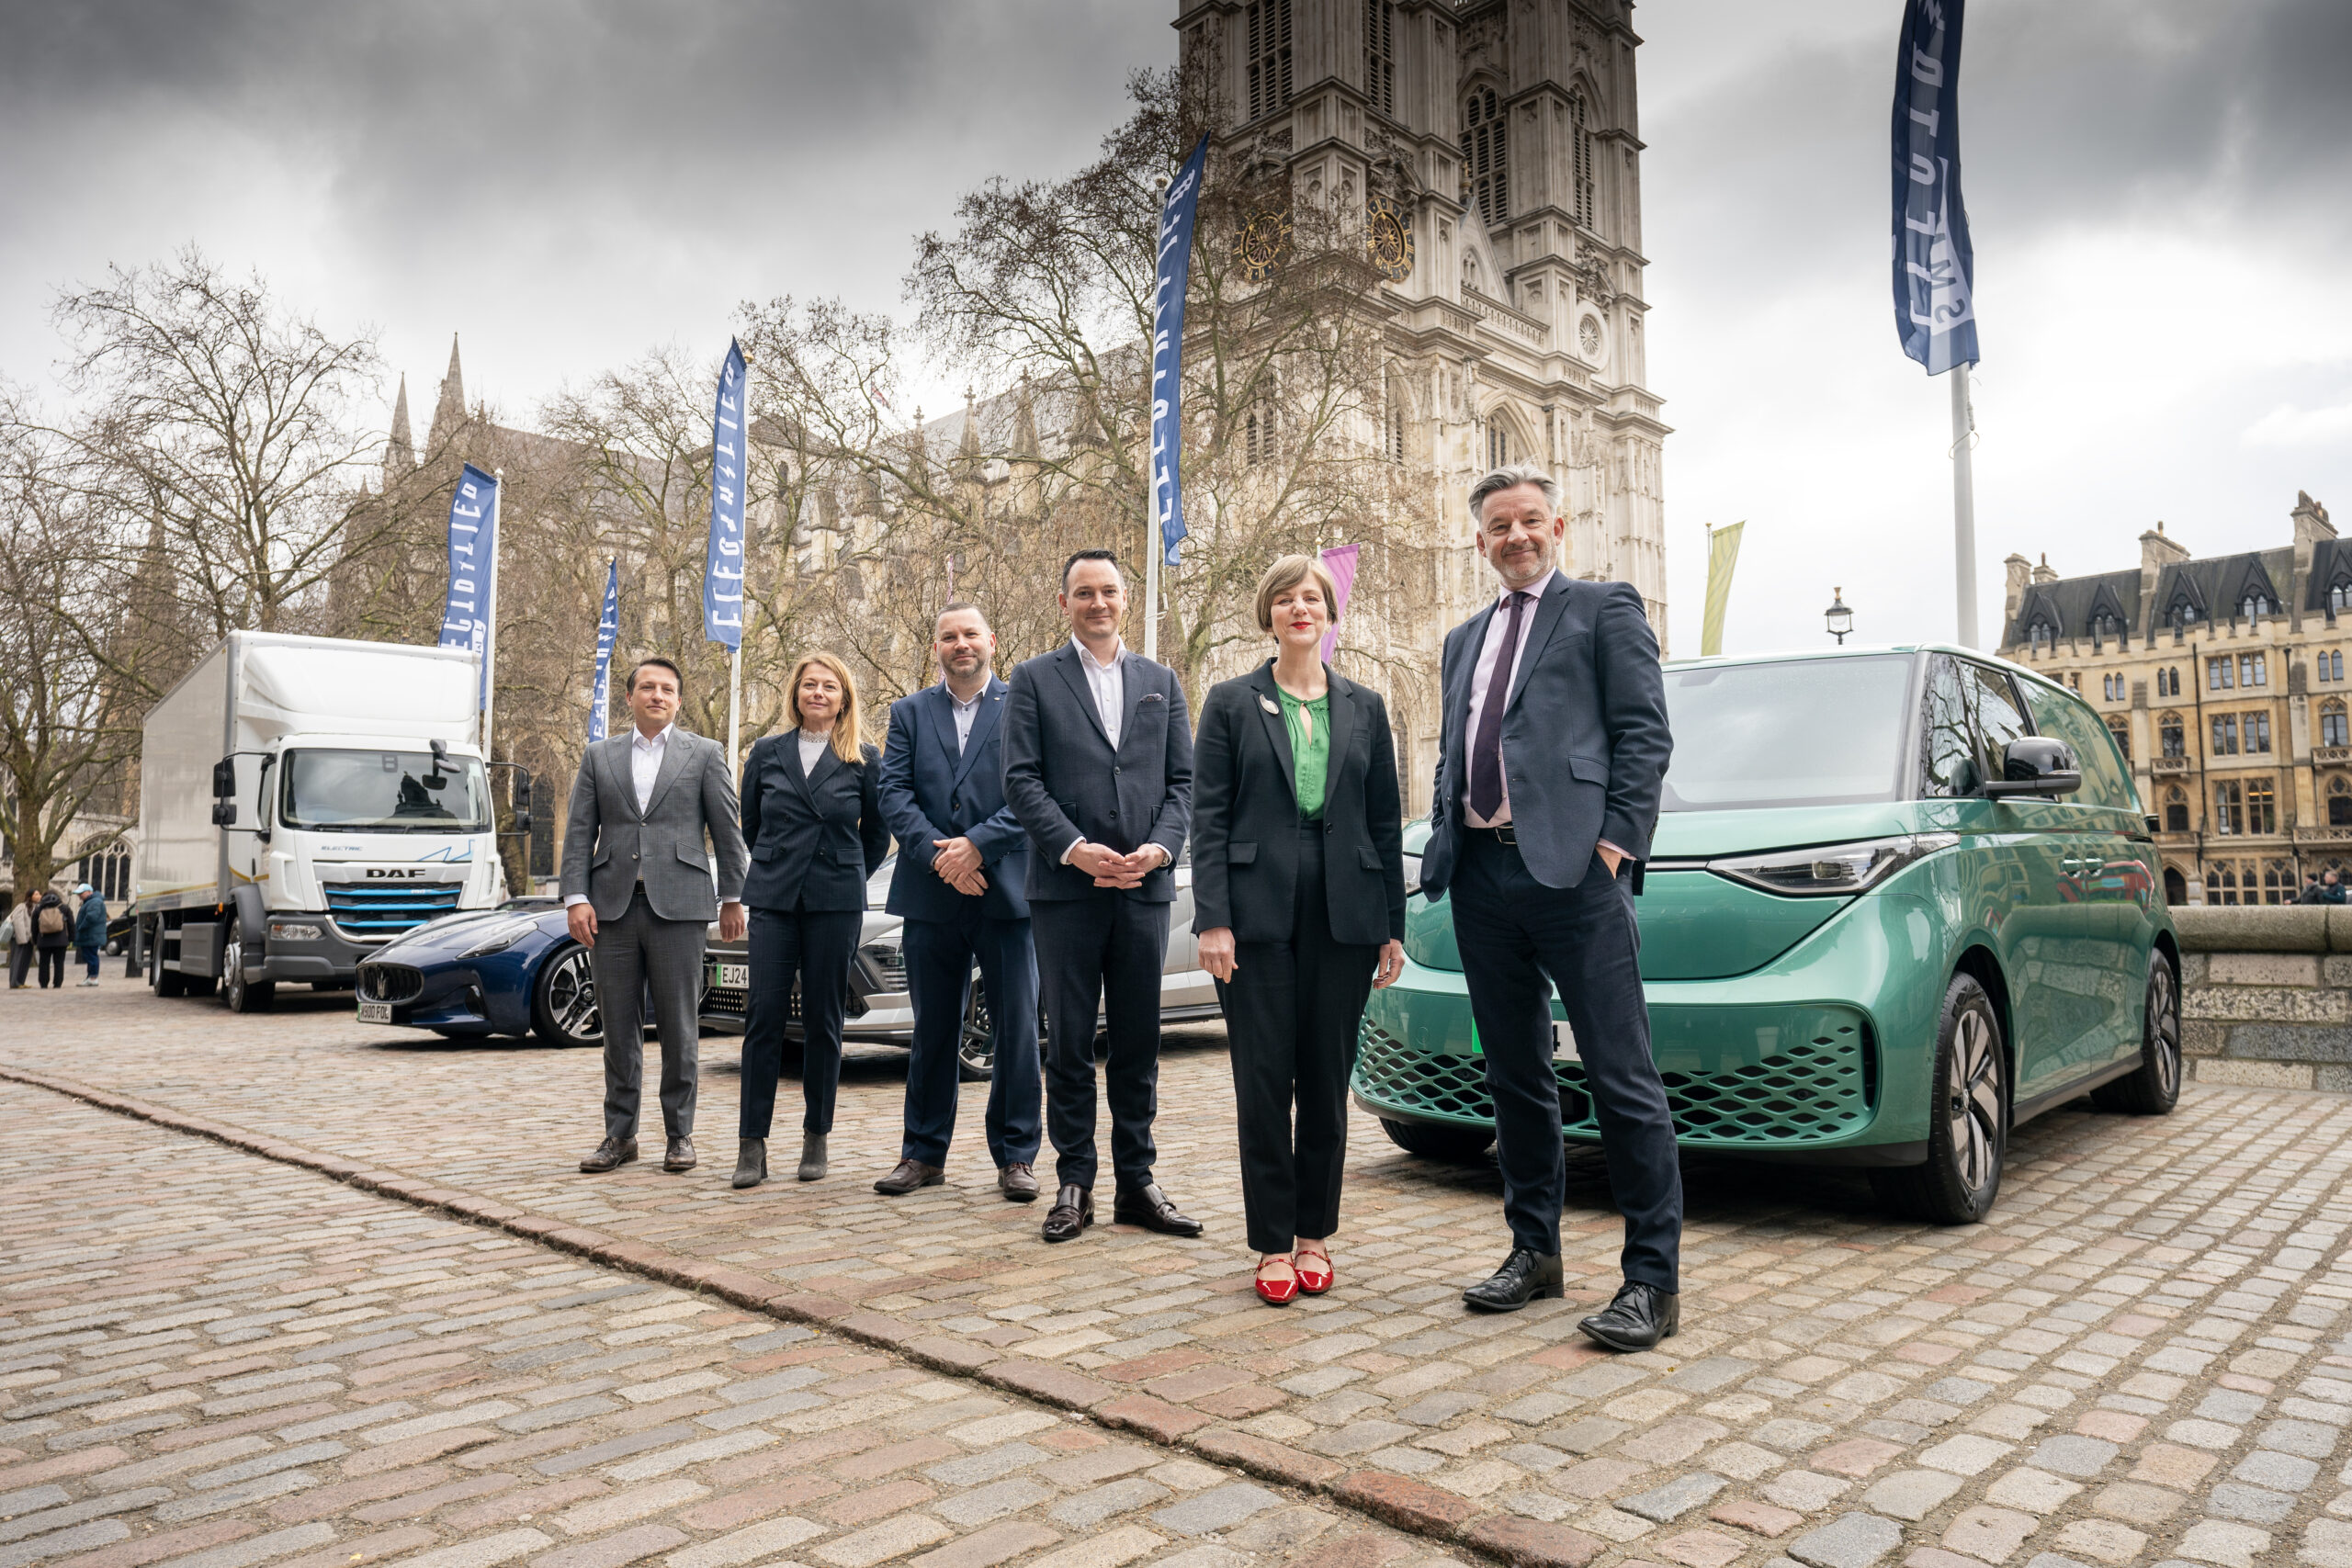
[54,930]
[20,941]
[89,931]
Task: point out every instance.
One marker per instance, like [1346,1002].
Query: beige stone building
[2224,677]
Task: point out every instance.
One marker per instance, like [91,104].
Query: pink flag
[1339,560]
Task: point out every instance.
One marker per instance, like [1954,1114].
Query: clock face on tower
[1387,240]
[1259,248]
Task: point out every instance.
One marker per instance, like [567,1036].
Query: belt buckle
[1504,835]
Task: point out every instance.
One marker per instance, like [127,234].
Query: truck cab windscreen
[385,792]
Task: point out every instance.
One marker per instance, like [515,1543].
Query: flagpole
[1150,587]
[490,630]
[734,708]
[1963,505]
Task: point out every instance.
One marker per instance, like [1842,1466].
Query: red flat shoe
[1276,1292]
[1312,1279]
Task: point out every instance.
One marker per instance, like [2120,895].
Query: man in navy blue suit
[963,861]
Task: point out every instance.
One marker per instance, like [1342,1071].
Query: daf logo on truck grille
[413,873]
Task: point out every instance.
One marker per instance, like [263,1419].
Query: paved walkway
[2136,1360]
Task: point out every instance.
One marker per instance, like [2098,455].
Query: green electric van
[1898,901]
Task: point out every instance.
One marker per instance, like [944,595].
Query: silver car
[879,1010]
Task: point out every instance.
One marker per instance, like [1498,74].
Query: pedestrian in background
[53,927]
[1298,899]
[639,891]
[89,931]
[2331,888]
[20,939]
[813,816]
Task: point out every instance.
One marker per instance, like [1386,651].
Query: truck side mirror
[224,780]
[224,813]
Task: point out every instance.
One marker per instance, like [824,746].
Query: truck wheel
[162,981]
[1968,1131]
[563,1001]
[238,993]
[2154,1089]
[1456,1145]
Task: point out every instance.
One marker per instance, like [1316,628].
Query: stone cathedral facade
[1492,150]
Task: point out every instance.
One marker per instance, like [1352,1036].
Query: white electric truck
[303,800]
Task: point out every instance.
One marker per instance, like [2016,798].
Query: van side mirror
[2036,764]
[224,778]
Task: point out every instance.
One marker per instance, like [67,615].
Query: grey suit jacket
[1585,740]
[609,846]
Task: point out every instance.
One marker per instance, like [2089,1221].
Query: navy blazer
[1245,816]
[930,791]
[1065,783]
[1584,737]
[815,839]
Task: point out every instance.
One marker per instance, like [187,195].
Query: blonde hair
[845,724]
[1289,572]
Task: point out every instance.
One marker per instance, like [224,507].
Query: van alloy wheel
[1967,1121]
[2153,1088]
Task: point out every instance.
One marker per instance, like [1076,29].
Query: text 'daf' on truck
[302,801]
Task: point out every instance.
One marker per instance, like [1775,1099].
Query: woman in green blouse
[1299,898]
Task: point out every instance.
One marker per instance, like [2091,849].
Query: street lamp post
[1840,619]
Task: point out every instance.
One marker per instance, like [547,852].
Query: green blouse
[1310,748]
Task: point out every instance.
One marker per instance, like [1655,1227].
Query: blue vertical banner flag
[473,547]
[722,576]
[1176,211]
[609,632]
[1935,266]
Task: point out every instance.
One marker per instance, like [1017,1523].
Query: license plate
[374,1012]
[1564,1042]
[726,976]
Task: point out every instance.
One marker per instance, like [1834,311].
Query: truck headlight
[499,938]
[290,931]
[1831,870]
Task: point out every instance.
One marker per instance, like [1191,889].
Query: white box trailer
[303,800]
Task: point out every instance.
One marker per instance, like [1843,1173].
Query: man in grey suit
[1552,758]
[638,891]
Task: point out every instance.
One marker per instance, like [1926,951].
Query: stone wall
[2267,995]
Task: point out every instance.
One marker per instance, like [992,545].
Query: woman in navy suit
[1299,898]
[813,816]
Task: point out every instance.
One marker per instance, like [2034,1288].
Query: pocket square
[1149,697]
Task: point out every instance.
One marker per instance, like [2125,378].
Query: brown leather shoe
[1017,1182]
[610,1154]
[910,1174]
[679,1155]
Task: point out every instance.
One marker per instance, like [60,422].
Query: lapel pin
[1270,705]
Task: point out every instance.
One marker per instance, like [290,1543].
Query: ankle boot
[812,1157]
[751,1163]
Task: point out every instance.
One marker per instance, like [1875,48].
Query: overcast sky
[2156,190]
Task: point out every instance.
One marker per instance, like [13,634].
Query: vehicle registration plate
[374,1012]
[726,976]
[1564,1042]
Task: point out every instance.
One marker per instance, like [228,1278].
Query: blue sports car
[512,970]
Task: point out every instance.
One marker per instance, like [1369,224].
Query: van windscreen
[1787,732]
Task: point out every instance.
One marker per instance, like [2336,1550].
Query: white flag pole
[1151,585]
[490,629]
[1963,505]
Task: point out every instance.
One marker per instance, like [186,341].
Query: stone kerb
[2267,995]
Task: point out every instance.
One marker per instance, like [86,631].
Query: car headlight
[500,937]
[1412,874]
[1832,870]
[289,930]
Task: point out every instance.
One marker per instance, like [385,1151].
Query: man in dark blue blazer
[960,883]
[1552,760]
[1098,768]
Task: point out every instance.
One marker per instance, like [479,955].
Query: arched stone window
[2333,729]
[2172,736]
[1584,186]
[2176,810]
[2339,803]
[1485,174]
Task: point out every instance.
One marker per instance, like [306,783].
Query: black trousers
[53,967]
[1519,939]
[816,947]
[940,956]
[1290,1013]
[1103,952]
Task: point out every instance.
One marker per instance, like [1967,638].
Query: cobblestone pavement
[207,1360]
[2137,1360]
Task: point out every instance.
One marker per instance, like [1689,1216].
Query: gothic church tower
[1495,144]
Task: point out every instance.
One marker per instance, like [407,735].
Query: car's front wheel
[1457,1144]
[2153,1088]
[563,1001]
[976,1047]
[1968,1118]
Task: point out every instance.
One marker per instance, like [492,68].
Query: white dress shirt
[645,763]
[1496,666]
[1108,686]
[965,713]
[811,747]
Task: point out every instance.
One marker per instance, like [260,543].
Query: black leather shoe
[679,1155]
[1073,1211]
[1636,1320]
[1153,1210]
[1525,1277]
[909,1175]
[611,1155]
[1017,1182]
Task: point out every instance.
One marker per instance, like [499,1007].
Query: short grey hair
[1510,476]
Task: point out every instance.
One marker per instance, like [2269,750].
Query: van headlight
[500,937]
[1412,874]
[1831,870]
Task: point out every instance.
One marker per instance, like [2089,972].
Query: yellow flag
[1723,553]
